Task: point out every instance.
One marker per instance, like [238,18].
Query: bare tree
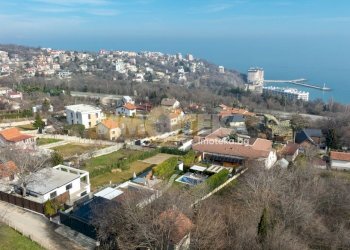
[27,163]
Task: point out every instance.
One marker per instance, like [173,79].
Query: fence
[21,202]
[76,139]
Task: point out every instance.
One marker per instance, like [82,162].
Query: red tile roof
[14,135]
[235,111]
[110,124]
[340,156]
[258,148]
[129,106]
[290,149]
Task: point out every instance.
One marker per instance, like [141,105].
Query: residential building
[255,76]
[15,95]
[13,136]
[127,109]
[60,181]
[225,111]
[310,137]
[289,93]
[83,114]
[5,91]
[221,69]
[235,121]
[218,149]
[189,57]
[340,160]
[108,129]
[170,103]
[290,151]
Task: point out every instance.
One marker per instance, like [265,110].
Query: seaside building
[221,69]
[289,93]
[255,76]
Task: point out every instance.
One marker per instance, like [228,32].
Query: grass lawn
[73,149]
[43,141]
[26,127]
[10,239]
[107,160]
[158,159]
[118,177]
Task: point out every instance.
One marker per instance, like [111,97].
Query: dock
[300,82]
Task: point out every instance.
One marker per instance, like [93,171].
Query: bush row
[217,179]
[172,151]
[165,169]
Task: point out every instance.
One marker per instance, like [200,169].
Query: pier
[300,82]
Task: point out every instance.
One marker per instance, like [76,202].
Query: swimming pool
[190,179]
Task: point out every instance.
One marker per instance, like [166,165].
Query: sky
[289,38]
[90,24]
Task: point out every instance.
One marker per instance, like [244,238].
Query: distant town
[79,140]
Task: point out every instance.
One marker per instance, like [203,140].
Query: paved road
[36,227]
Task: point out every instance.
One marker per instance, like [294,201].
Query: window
[77,115]
[83,193]
[69,186]
[113,132]
[96,115]
[89,124]
[89,116]
[71,115]
[53,195]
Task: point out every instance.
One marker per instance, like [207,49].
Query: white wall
[62,190]
[341,165]
[271,159]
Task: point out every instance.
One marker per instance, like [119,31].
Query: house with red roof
[340,160]
[108,129]
[13,136]
[127,109]
[219,149]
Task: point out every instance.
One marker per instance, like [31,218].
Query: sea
[320,60]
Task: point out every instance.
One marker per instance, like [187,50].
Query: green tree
[264,226]
[56,158]
[38,123]
[45,105]
[297,123]
[332,139]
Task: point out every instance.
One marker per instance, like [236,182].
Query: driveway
[36,227]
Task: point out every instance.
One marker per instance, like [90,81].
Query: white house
[340,160]
[49,183]
[128,99]
[83,114]
[127,109]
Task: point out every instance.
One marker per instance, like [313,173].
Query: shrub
[165,169]
[189,158]
[172,151]
[217,179]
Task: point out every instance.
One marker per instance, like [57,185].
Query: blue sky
[72,21]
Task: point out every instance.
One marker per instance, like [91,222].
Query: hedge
[124,164]
[189,158]
[166,168]
[217,179]
[172,151]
